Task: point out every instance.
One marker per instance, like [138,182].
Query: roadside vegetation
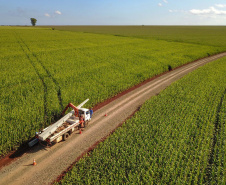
[43,69]
[177,137]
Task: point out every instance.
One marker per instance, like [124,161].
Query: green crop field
[177,137]
[203,35]
[42,70]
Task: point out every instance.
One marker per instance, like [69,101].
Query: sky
[113,12]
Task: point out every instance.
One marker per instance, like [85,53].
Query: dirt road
[51,162]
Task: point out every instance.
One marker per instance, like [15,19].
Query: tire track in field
[38,74]
[48,73]
[53,79]
[27,50]
[217,128]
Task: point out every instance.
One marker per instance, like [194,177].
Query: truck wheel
[65,136]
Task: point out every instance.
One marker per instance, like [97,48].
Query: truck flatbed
[68,126]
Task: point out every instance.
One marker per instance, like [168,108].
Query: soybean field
[43,69]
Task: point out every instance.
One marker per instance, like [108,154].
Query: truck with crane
[78,118]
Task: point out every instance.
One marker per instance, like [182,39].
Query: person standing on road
[81,121]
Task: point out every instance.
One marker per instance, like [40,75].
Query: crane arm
[72,106]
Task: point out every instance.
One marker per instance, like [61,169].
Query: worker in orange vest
[81,121]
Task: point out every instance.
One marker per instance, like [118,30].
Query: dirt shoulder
[53,161]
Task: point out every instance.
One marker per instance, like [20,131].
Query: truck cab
[86,113]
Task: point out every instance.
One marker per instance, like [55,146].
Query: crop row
[42,70]
[177,137]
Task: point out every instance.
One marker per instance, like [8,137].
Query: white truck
[61,129]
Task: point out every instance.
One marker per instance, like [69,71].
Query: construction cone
[34,163]
[80,131]
[105,114]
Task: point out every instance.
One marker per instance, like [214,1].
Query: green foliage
[33,21]
[41,71]
[171,140]
[217,166]
[202,35]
